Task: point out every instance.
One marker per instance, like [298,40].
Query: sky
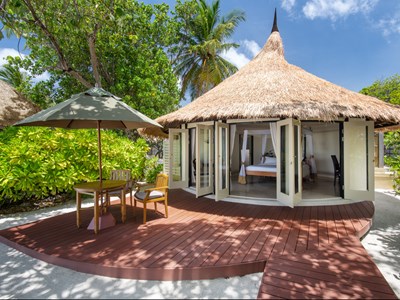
[351,43]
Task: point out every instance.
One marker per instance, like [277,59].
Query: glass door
[358,160]
[221,161]
[204,160]
[178,158]
[288,173]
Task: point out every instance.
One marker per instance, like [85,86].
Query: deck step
[318,274]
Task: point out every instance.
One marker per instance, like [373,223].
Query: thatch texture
[13,106]
[270,87]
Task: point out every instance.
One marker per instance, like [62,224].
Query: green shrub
[39,162]
[392,141]
[152,169]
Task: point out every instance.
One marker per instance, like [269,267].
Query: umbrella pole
[99,147]
[100,166]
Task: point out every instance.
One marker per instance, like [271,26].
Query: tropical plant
[388,90]
[36,163]
[12,75]
[152,168]
[38,92]
[203,38]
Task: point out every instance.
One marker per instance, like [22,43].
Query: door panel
[221,161]
[204,160]
[298,176]
[289,177]
[178,158]
[359,160]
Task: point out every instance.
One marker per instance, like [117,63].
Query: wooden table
[98,189]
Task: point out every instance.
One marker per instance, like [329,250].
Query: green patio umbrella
[95,108]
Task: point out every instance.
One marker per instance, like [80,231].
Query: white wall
[257,142]
[326,143]
[235,155]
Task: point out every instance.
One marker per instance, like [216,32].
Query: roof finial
[275,26]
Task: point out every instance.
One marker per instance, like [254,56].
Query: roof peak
[275,25]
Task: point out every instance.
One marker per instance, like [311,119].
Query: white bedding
[272,168]
[261,168]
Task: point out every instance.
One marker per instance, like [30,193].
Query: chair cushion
[153,195]
[115,193]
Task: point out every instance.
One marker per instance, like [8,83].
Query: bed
[268,168]
[261,170]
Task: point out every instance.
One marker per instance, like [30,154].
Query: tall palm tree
[199,62]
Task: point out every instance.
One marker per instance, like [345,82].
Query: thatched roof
[270,87]
[13,106]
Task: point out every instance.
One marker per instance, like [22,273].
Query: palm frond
[200,65]
[12,75]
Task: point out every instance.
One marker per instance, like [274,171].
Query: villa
[274,132]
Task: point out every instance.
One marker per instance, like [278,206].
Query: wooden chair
[159,193]
[121,175]
[336,166]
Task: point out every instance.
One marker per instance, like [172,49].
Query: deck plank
[186,238]
[313,234]
[252,245]
[306,252]
[272,238]
[342,271]
[302,239]
[293,236]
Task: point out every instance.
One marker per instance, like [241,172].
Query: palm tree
[12,75]
[199,62]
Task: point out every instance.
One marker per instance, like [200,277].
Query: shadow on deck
[304,252]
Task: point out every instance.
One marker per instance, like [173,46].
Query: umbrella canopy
[13,106]
[95,108]
[84,110]
[270,87]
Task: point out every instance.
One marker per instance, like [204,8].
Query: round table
[98,188]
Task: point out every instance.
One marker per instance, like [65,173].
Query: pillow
[269,160]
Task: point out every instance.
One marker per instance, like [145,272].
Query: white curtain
[242,173]
[193,150]
[310,147]
[272,126]
[310,150]
[233,133]
[232,130]
[263,147]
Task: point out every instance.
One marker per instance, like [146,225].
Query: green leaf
[38,171]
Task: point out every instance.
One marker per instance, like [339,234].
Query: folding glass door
[178,158]
[289,177]
[204,160]
[221,161]
[358,160]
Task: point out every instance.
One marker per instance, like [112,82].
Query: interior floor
[265,187]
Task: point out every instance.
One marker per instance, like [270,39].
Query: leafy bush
[388,90]
[36,163]
[391,141]
[152,169]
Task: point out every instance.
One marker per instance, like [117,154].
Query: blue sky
[351,43]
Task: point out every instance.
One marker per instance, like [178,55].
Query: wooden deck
[306,252]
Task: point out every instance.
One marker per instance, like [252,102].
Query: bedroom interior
[320,141]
